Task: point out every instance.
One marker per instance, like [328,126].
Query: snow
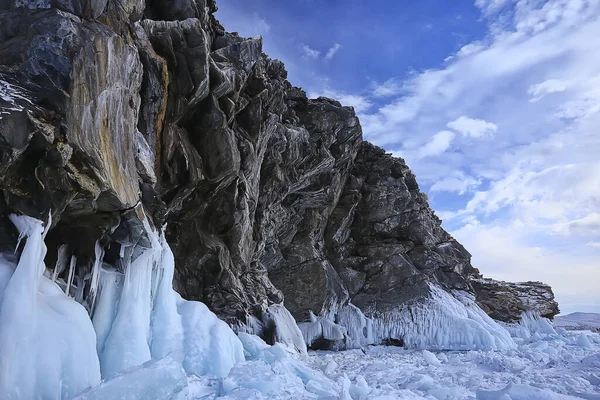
[162,379]
[554,367]
[578,321]
[12,98]
[47,341]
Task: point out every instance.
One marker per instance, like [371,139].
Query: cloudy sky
[495,105]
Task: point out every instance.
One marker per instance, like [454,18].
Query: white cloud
[508,253]
[332,51]
[261,24]
[389,88]
[470,49]
[309,53]
[540,90]
[473,127]
[439,143]
[489,7]
[458,183]
[587,226]
[535,189]
[360,103]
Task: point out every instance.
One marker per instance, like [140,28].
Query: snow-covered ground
[578,321]
[565,365]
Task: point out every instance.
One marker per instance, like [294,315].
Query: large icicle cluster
[49,347]
[47,341]
[442,321]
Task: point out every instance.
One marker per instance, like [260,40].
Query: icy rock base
[442,321]
[50,349]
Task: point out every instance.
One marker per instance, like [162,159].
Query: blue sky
[494,104]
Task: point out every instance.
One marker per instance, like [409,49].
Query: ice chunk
[276,372]
[284,328]
[583,341]
[47,341]
[431,359]
[162,379]
[361,389]
[210,345]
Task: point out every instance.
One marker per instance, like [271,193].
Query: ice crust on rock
[320,327]
[531,327]
[443,321]
[47,341]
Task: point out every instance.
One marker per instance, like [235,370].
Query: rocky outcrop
[507,301]
[117,115]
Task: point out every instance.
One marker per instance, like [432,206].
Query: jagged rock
[507,301]
[112,122]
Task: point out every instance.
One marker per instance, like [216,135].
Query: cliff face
[114,112]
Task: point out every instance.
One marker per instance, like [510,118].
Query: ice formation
[50,348]
[47,341]
[162,379]
[282,324]
[320,327]
[443,321]
[140,317]
[531,327]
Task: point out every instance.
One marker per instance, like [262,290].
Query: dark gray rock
[270,198]
[506,301]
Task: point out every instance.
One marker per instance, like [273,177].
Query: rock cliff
[116,112]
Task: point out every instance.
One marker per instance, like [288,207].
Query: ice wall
[47,341]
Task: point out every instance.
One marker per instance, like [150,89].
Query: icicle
[71,272]
[61,262]
[99,252]
[79,289]
[33,308]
